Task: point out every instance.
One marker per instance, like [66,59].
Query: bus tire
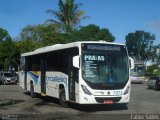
[32,93]
[62,98]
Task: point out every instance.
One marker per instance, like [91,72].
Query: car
[154,82]
[8,78]
[17,76]
[135,79]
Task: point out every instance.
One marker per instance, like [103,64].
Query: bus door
[43,76]
[73,78]
[23,72]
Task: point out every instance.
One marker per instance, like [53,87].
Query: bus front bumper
[91,99]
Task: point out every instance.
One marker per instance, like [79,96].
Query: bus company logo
[34,75]
[57,79]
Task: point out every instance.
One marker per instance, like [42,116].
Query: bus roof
[63,46]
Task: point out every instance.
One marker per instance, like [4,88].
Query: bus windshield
[101,68]
[138,71]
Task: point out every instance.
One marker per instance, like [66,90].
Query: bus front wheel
[62,98]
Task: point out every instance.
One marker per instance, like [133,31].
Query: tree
[104,34]
[30,33]
[68,16]
[4,35]
[92,33]
[6,53]
[43,35]
[140,44]
[156,54]
[6,47]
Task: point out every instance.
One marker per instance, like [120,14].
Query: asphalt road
[16,103]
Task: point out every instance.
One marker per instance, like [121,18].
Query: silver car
[8,78]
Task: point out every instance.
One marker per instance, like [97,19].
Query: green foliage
[157,72]
[156,53]
[6,48]
[42,35]
[140,44]
[25,46]
[6,53]
[50,36]
[104,34]
[4,35]
[153,70]
[91,33]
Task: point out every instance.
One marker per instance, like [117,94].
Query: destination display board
[102,47]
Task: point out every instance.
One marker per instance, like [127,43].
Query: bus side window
[33,63]
[75,74]
[22,63]
[35,67]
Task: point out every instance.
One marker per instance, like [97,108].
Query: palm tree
[68,16]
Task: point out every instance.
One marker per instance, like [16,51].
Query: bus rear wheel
[62,98]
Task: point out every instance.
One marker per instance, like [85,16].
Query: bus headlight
[127,90]
[86,90]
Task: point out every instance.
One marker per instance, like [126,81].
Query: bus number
[117,92]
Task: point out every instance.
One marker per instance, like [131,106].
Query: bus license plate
[108,102]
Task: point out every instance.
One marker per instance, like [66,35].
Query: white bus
[137,74]
[80,72]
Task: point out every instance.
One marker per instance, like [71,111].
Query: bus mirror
[131,62]
[76,61]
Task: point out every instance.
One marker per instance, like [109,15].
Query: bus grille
[101,100]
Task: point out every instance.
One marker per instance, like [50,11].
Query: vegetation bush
[153,70]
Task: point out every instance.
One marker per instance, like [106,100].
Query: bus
[85,72]
[137,74]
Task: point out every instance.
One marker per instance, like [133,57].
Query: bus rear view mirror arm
[76,61]
[131,61]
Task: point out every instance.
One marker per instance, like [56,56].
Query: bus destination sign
[101,47]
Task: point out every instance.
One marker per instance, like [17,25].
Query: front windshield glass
[106,67]
[138,70]
[8,74]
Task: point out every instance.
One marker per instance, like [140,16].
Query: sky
[119,16]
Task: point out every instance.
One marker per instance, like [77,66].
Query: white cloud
[155,25]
